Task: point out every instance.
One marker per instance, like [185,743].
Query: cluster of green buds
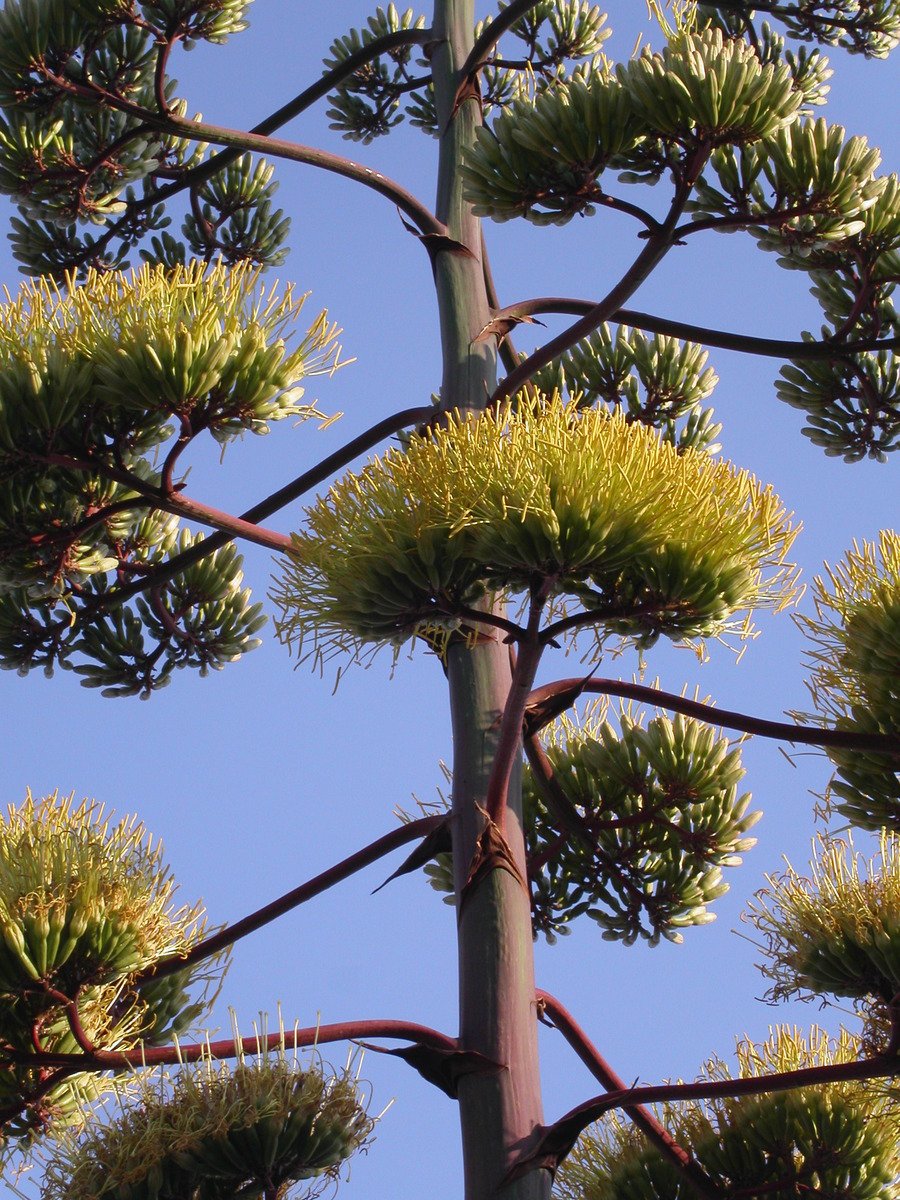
[201,618]
[554,31]
[836,1140]
[635,830]
[591,508]
[233,217]
[541,159]
[72,153]
[808,67]
[837,931]
[855,672]
[544,158]
[60,160]
[657,380]
[852,401]
[805,186]
[381,93]
[255,1130]
[871,254]
[87,906]
[708,89]
[855,25]
[367,104]
[640,823]
[93,382]
[811,195]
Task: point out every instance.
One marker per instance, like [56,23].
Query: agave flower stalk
[496,965]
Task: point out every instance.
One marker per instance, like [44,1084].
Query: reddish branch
[301,102]
[808,735]
[562,1020]
[509,740]
[233,527]
[722,339]
[265,508]
[298,895]
[219,135]
[158,1056]
[554,1142]
[491,35]
[658,244]
[799,13]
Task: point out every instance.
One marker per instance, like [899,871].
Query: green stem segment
[499,1111]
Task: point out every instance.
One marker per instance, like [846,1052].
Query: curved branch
[788,10]
[421,216]
[658,244]
[721,339]
[509,739]
[265,508]
[562,1019]
[298,895]
[491,35]
[552,1143]
[221,135]
[807,735]
[305,99]
[313,1035]
[477,616]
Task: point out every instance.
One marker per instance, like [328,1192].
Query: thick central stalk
[498,1110]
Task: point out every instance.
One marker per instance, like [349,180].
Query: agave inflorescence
[836,932]
[827,1142]
[579,502]
[64,160]
[656,380]
[543,158]
[643,818]
[86,906]
[660,817]
[254,1130]
[93,381]
[856,669]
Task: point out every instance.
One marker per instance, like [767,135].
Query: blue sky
[261,776]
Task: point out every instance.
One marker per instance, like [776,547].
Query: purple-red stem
[219,135]
[234,527]
[722,339]
[509,740]
[265,508]
[298,895]
[558,1139]
[563,1020]
[313,1035]
[807,735]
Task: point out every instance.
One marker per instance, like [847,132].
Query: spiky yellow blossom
[649,540]
[252,1130]
[837,931]
[204,343]
[855,682]
[836,1140]
[85,904]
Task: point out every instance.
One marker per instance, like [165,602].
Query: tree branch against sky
[276,782]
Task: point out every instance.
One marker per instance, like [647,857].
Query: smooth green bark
[498,1109]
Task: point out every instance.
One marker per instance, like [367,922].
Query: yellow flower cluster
[578,502]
